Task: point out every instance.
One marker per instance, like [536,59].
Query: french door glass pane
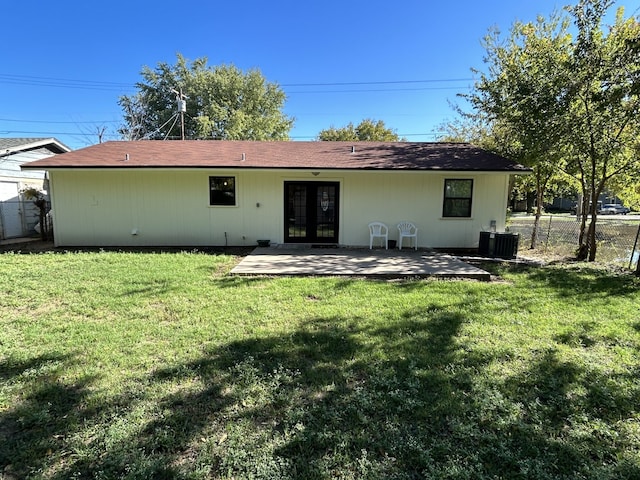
[325,211]
[297,211]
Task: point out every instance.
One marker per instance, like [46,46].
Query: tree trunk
[531,198]
[43,225]
[583,248]
[633,252]
[589,249]
[536,221]
[591,239]
[42,214]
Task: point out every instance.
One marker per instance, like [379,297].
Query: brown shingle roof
[282,155]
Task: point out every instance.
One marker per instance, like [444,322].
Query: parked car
[613,209]
[574,208]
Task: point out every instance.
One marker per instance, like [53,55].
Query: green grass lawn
[143,365]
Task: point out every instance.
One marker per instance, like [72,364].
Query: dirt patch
[27,246]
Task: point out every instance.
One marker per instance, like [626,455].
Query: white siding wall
[171,207]
[418,197]
[10,167]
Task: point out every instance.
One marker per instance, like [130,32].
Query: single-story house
[17,214]
[217,193]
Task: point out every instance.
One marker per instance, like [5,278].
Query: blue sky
[65,64]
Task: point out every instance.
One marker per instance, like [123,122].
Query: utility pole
[181,100]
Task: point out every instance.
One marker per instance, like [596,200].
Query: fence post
[546,245]
[633,251]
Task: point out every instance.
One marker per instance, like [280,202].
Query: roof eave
[45,142]
[29,166]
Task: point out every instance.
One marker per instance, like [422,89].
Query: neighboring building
[215,193]
[17,215]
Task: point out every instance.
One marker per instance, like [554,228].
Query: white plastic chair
[379,230]
[407,230]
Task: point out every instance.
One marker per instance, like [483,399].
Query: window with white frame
[222,191]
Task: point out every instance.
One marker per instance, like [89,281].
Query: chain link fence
[617,237]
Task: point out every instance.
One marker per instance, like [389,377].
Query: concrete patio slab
[355,262]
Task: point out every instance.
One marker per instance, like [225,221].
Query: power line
[401,135]
[57,122]
[390,82]
[381,90]
[48,133]
[118,86]
[62,82]
[115,135]
[299,88]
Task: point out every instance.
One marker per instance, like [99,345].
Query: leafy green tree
[566,105]
[521,96]
[603,116]
[367,130]
[468,127]
[222,103]
[627,189]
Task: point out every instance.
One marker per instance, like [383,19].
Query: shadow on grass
[152,288]
[335,398]
[49,411]
[577,416]
[239,281]
[574,280]
[11,368]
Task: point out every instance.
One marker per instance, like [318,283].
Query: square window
[222,191]
[457,198]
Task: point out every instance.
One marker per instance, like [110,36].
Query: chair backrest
[407,227]
[378,228]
